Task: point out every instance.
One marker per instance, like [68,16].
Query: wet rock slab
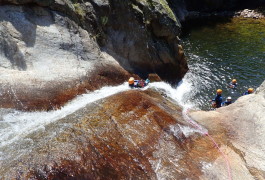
[135,134]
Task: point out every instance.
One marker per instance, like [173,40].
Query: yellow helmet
[250,90]
[234,81]
[219,91]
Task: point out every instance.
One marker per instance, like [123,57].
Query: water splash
[16,127]
[19,124]
[180,94]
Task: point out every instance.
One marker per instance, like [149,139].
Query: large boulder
[134,134]
[242,125]
[47,59]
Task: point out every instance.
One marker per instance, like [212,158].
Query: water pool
[222,52]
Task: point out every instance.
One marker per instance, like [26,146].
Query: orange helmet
[250,90]
[234,81]
[219,91]
[131,80]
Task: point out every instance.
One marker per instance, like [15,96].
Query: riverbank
[245,13]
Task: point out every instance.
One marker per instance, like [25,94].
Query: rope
[205,132]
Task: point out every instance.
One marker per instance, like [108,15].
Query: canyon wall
[53,50]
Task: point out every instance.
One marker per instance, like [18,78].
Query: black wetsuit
[226,103]
[218,100]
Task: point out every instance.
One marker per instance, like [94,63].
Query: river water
[218,53]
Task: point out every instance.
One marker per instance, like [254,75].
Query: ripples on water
[217,54]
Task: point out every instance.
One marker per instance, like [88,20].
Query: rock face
[134,134]
[141,134]
[46,59]
[242,125]
[150,36]
[49,54]
[50,51]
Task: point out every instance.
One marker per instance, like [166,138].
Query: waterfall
[17,124]
[18,128]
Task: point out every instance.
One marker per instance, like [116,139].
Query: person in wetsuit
[228,101]
[218,98]
[249,91]
[233,84]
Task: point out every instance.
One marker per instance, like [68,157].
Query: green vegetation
[78,9]
[160,5]
[168,9]
[104,20]
[136,8]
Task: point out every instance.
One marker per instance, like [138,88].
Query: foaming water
[180,93]
[16,124]
[22,132]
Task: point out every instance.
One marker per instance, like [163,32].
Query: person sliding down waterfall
[249,91]
[137,83]
[131,82]
[217,101]
[233,84]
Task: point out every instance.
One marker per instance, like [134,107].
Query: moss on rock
[159,5]
[79,9]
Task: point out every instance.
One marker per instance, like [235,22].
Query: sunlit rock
[47,59]
[134,134]
[242,126]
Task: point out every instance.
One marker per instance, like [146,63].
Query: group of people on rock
[133,83]
[218,100]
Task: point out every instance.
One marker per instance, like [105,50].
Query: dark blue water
[217,54]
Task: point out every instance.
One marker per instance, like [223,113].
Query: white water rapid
[16,126]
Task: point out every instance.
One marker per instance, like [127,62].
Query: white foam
[24,123]
[18,125]
[178,94]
